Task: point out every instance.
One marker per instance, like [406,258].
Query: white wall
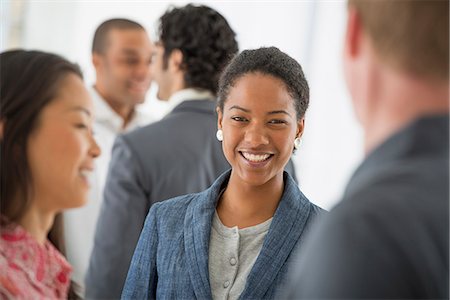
[332,140]
[309,31]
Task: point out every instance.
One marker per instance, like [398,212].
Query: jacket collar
[105,115]
[287,226]
[197,224]
[426,136]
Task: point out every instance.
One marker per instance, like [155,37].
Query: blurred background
[310,31]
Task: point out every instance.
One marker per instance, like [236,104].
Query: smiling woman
[235,239]
[259,125]
[47,150]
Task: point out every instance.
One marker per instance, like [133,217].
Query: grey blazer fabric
[171,258]
[175,156]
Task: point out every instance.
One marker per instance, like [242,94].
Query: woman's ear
[300,127]
[219,118]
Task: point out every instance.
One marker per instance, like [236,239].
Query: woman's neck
[37,223]
[245,205]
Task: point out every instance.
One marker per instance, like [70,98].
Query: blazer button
[232,261]
[226,284]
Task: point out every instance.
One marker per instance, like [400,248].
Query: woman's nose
[94,150]
[256,135]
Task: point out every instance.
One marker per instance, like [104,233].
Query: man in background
[389,236]
[121,54]
[175,156]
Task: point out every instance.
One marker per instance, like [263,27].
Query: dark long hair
[29,80]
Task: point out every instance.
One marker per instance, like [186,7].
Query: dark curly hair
[267,61]
[205,39]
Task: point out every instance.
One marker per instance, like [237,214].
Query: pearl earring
[297,143]
[219,135]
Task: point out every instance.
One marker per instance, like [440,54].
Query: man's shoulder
[186,128]
[403,180]
[170,124]
[396,197]
[390,223]
[148,137]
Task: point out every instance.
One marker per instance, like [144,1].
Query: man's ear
[219,118]
[353,33]
[300,127]
[96,60]
[176,60]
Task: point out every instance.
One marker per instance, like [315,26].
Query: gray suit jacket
[175,156]
[389,236]
[171,258]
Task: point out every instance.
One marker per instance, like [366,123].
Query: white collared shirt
[80,223]
[110,120]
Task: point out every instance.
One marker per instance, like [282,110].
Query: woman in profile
[235,239]
[47,153]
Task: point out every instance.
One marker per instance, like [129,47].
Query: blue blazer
[171,257]
[176,156]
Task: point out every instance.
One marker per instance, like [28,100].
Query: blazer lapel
[197,230]
[286,228]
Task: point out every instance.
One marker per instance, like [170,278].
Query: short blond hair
[410,34]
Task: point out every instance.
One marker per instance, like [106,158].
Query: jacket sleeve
[122,215]
[142,276]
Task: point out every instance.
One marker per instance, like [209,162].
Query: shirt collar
[187,95]
[104,114]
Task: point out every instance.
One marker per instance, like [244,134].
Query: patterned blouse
[29,270]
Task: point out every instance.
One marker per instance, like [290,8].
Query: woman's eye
[277,122]
[239,119]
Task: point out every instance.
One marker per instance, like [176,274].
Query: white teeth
[255,157]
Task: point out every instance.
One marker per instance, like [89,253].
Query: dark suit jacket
[171,258]
[389,236]
[175,156]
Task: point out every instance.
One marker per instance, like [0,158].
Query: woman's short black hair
[268,61]
[204,37]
